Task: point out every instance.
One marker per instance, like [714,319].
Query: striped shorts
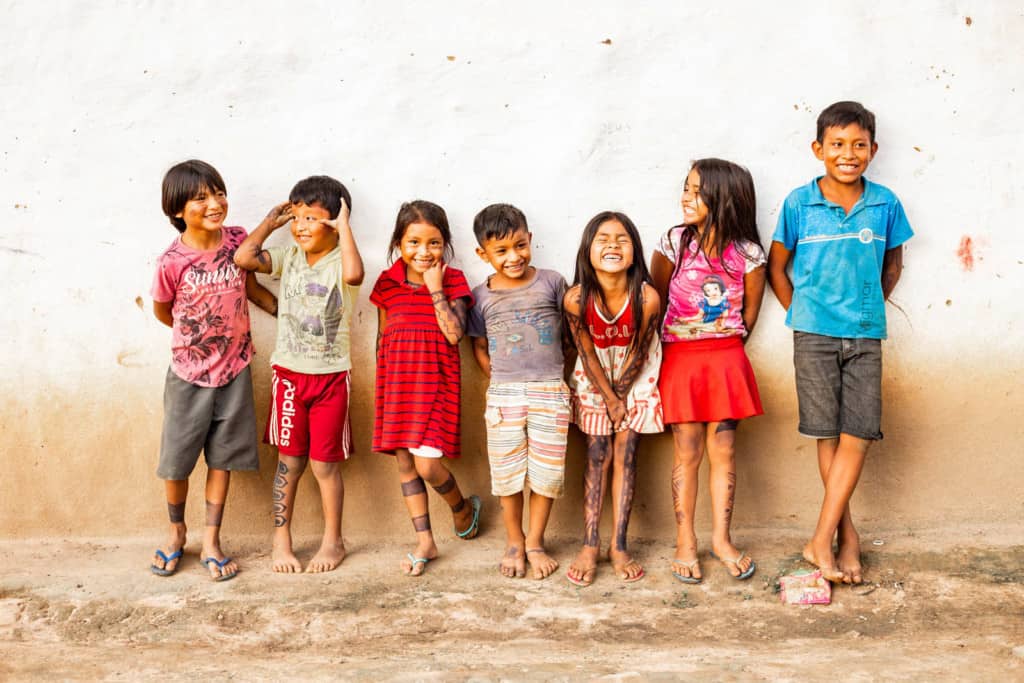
[527,431]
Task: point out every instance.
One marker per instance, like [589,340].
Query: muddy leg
[623,488]
[688,451]
[595,483]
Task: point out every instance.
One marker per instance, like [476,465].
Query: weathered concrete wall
[563,111]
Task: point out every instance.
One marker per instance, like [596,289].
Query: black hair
[323,190]
[497,221]
[727,190]
[637,275]
[185,181]
[421,211]
[842,114]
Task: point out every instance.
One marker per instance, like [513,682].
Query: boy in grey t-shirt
[516,327]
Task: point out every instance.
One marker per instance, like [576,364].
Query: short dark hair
[421,211]
[184,181]
[842,114]
[323,190]
[497,221]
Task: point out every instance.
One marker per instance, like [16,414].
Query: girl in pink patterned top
[612,312]
[710,272]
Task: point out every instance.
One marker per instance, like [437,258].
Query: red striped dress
[417,398]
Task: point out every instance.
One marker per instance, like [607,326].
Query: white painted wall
[564,109]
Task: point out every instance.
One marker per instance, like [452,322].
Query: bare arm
[778,259]
[753,296]
[351,261]
[482,355]
[638,356]
[661,273]
[588,356]
[451,315]
[382,322]
[892,267]
[250,254]
[162,311]
[260,295]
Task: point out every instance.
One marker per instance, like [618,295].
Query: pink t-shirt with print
[211,342]
[705,296]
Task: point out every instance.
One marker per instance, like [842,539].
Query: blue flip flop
[468,533]
[220,565]
[413,560]
[742,576]
[163,571]
[689,565]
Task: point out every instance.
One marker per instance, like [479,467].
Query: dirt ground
[938,606]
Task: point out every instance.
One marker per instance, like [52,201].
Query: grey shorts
[838,386]
[220,421]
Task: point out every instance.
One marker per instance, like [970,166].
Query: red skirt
[707,380]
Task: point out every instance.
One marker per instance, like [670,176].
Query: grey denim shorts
[220,421]
[838,386]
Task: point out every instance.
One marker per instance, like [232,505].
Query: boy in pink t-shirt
[201,294]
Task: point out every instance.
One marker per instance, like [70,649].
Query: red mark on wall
[965,252]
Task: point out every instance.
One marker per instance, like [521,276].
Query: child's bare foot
[415,563]
[171,550]
[735,560]
[584,568]
[282,557]
[828,568]
[626,568]
[220,566]
[543,565]
[327,558]
[513,562]
[848,558]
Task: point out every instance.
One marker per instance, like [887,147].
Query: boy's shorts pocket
[492,416]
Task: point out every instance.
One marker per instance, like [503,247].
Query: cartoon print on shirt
[712,305]
[316,332]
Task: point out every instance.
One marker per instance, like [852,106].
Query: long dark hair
[637,274]
[421,211]
[727,189]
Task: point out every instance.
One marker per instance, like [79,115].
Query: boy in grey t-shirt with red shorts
[516,326]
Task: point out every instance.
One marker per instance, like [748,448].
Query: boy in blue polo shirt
[845,237]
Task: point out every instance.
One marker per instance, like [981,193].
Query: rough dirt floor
[938,606]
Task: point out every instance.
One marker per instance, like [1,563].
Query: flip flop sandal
[413,560]
[691,579]
[639,576]
[475,525]
[163,571]
[582,583]
[742,576]
[220,565]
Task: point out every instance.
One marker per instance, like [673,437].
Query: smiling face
[205,212]
[612,248]
[695,211]
[712,292]
[846,152]
[508,255]
[310,233]
[421,247]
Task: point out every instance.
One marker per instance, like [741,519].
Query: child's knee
[325,470]
[432,469]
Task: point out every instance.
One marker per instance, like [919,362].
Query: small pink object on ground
[805,588]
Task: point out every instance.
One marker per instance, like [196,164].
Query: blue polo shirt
[837,259]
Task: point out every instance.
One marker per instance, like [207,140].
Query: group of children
[643,348]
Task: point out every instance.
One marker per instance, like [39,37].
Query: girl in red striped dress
[612,312]
[422,317]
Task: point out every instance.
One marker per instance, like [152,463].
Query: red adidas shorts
[309,415]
